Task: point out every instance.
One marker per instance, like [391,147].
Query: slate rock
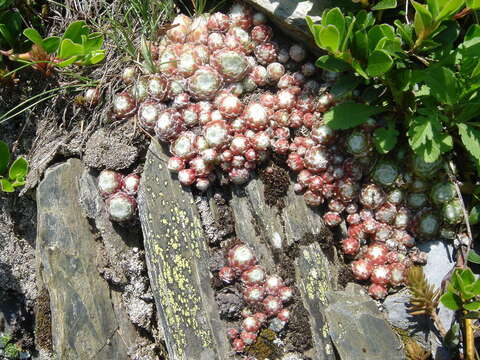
[358,329]
[440,261]
[269,231]
[418,327]
[85,325]
[176,255]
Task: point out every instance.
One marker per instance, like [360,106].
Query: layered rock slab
[176,255]
[86,319]
[273,232]
[358,329]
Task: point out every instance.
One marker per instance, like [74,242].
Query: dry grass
[58,125]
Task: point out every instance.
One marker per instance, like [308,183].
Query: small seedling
[13,176]
[463,295]
[78,46]
[462,292]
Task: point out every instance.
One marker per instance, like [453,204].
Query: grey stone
[264,228]
[18,288]
[85,323]
[358,329]
[418,327]
[440,262]
[289,16]
[118,261]
[176,255]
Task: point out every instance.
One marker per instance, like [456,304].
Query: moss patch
[276,181]
[264,348]
[43,321]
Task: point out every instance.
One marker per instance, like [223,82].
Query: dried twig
[463,248]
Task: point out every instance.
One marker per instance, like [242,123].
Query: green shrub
[428,71]
[13,176]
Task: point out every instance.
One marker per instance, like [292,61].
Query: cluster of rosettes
[195,102]
[385,208]
[119,193]
[259,290]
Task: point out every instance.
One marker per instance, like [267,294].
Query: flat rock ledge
[87,320]
[176,255]
[358,329]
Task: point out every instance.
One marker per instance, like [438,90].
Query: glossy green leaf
[472,306]
[96,57]
[471,139]
[476,70]
[359,46]
[365,19]
[449,8]
[315,30]
[18,183]
[34,36]
[451,301]
[443,84]
[335,17]
[385,139]
[51,44]
[350,25]
[7,36]
[476,287]
[472,315]
[472,32]
[348,115]
[426,136]
[473,4]
[433,6]
[67,62]
[357,66]
[12,23]
[468,112]
[5,4]
[93,42]
[404,79]
[378,32]
[19,169]
[330,38]
[391,46]
[467,276]
[474,218]
[69,49]
[379,62]
[474,257]
[75,31]
[4,157]
[344,85]
[331,63]
[405,31]
[422,20]
[6,186]
[385,4]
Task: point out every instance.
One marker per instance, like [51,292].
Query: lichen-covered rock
[84,325]
[176,255]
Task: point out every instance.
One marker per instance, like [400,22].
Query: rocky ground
[75,285]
